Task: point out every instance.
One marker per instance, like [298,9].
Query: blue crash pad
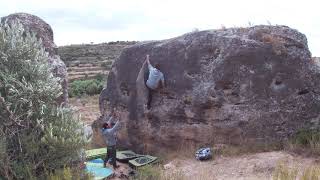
[95,167]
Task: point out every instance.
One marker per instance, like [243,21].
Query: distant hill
[85,61]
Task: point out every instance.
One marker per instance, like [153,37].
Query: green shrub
[107,64]
[89,87]
[92,88]
[100,78]
[37,134]
[307,141]
[68,173]
[307,137]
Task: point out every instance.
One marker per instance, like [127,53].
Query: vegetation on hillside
[84,61]
[306,141]
[38,137]
[86,87]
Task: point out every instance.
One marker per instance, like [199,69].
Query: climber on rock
[109,132]
[155,80]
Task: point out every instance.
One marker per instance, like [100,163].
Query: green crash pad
[95,167]
[143,160]
[96,153]
[127,155]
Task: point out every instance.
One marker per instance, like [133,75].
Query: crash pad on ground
[96,153]
[95,167]
[143,160]
[127,155]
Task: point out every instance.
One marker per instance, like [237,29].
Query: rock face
[239,85]
[44,32]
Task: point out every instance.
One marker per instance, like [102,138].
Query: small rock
[169,166]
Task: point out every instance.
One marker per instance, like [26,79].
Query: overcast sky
[76,21]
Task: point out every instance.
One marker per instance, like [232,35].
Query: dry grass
[205,174]
[249,148]
[184,151]
[276,42]
[305,142]
[311,173]
[158,173]
[284,172]
[222,27]
[297,168]
[312,150]
[68,174]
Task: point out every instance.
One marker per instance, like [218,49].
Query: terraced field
[85,61]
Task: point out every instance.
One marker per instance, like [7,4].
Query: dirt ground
[87,106]
[258,166]
[255,166]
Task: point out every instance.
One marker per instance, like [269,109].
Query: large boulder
[238,85]
[44,32]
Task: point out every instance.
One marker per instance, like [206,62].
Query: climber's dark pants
[150,93]
[111,156]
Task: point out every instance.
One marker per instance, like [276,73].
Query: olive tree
[37,135]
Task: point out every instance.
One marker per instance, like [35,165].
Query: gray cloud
[81,21]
